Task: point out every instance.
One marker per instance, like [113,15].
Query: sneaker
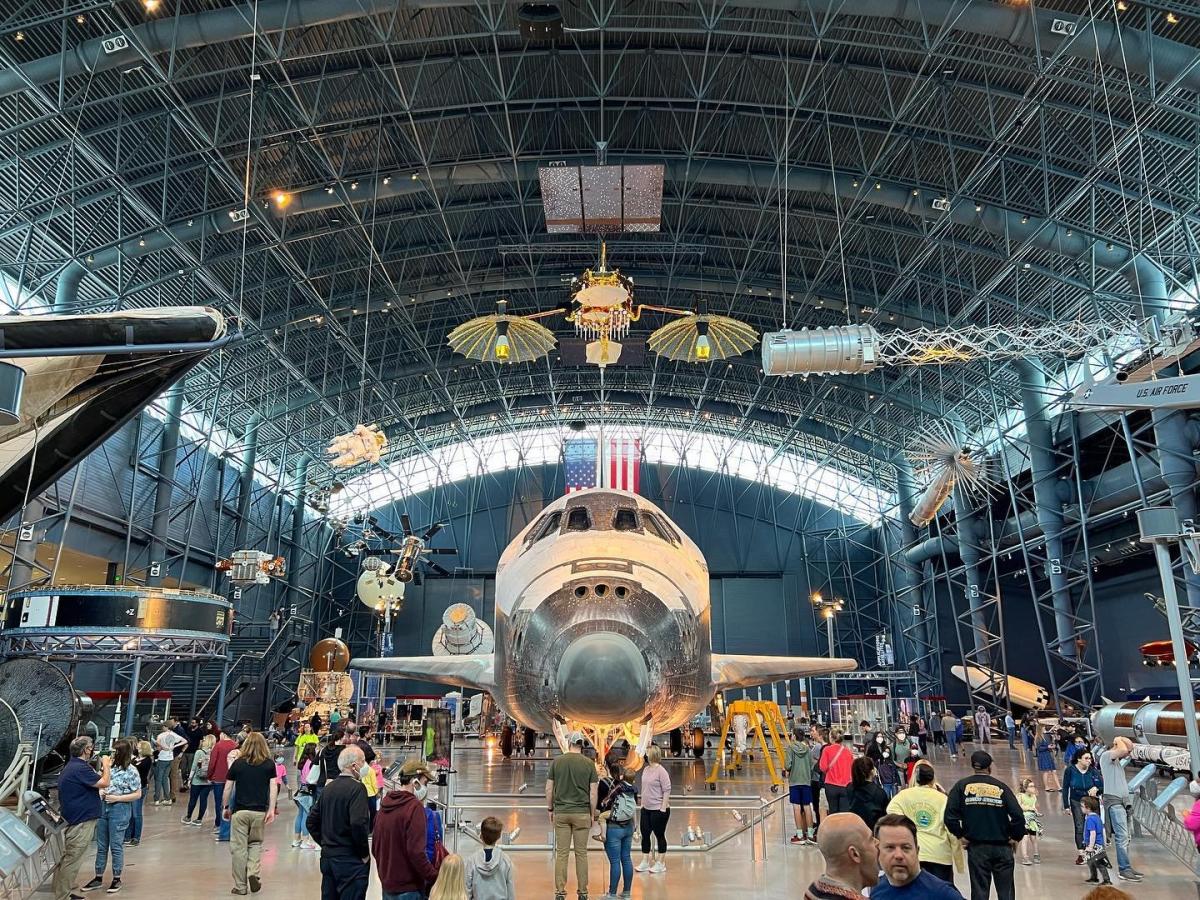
[1037,858]
[255,884]
[1091,881]
[115,887]
[239,892]
[309,845]
[195,823]
[560,897]
[96,882]
[1079,860]
[797,840]
[658,868]
[74,896]
[643,866]
[295,843]
[1129,875]
[1026,862]
[185,821]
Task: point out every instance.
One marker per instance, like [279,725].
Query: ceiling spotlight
[19,36]
[1122,6]
[282,199]
[387,180]
[878,186]
[413,177]
[978,207]
[142,242]
[1024,220]
[1109,245]
[916,193]
[329,190]
[855,182]
[354,185]
[151,5]
[1172,19]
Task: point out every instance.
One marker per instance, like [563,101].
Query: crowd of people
[885,786]
[886,816]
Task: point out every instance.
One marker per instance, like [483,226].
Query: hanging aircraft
[603,626]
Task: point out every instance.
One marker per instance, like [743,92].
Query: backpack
[624,806]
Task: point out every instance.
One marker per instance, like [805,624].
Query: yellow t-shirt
[926,806]
[371,783]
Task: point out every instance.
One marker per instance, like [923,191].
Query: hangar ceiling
[405,138]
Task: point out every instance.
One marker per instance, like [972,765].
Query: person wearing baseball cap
[983,812]
[571,788]
[399,839]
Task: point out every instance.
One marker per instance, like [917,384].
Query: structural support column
[131,706]
[246,485]
[20,574]
[1175,438]
[1047,498]
[907,577]
[167,462]
[299,486]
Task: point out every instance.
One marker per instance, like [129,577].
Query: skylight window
[790,472]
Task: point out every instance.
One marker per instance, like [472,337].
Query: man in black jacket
[984,814]
[341,823]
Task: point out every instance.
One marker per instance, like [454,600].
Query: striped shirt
[825,888]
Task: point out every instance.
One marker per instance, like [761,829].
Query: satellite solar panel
[601,199]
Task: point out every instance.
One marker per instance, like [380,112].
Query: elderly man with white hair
[340,822]
[1116,802]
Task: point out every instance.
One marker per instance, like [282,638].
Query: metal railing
[255,664]
[750,812]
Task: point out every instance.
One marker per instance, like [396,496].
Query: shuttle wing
[746,671]
[470,670]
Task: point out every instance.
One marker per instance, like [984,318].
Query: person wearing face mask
[398,843]
[875,747]
[340,822]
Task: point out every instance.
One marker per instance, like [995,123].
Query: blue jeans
[304,803]
[952,742]
[162,779]
[110,837]
[134,831]
[218,792]
[1012,738]
[618,847]
[1118,822]
[198,793]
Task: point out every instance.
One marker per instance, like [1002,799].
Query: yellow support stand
[766,724]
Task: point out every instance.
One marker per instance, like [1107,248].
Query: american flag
[624,464]
[582,463]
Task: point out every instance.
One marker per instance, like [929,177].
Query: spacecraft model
[603,624]
[942,460]
[1015,691]
[602,308]
[249,567]
[379,588]
[365,443]
[1162,653]
[1156,728]
[461,632]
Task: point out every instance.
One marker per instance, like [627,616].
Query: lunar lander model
[326,685]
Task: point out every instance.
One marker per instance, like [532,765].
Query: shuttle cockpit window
[625,520]
[578,519]
[550,526]
[656,527]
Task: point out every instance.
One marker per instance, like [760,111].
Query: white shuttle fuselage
[603,624]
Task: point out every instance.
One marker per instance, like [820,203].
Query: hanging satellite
[462,632]
[249,567]
[700,337]
[941,458]
[415,549]
[503,338]
[365,443]
[379,588]
[603,310]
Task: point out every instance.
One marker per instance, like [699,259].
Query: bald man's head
[848,848]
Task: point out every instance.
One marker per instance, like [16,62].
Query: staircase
[260,665]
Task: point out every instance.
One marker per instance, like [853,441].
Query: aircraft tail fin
[476,670]
[732,671]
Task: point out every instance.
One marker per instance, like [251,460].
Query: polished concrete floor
[184,863]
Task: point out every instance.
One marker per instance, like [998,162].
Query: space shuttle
[603,626]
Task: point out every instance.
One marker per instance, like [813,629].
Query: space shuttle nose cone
[602,679]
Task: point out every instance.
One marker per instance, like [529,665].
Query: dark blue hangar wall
[102,511]
[767,552]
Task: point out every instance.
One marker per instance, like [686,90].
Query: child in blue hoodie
[490,873]
[1093,837]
